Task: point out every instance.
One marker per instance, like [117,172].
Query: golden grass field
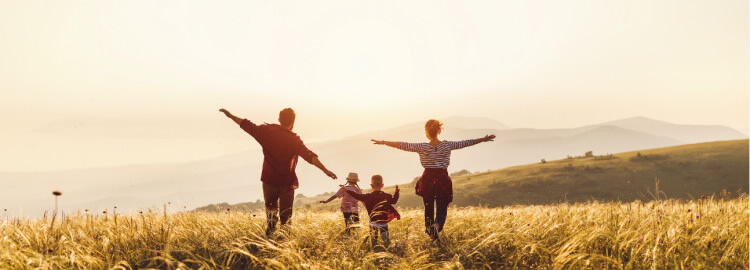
[663,234]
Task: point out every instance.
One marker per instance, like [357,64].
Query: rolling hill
[685,171]
[234,178]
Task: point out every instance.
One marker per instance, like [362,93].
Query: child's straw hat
[353,177]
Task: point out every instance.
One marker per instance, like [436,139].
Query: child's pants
[379,230]
[349,220]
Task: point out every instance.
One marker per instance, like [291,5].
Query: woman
[435,186]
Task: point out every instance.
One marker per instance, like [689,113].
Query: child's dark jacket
[379,205]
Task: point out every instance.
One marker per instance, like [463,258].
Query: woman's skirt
[435,183]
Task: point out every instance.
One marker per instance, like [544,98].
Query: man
[281,147]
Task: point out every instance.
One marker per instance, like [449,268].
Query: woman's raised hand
[488,138]
[377,141]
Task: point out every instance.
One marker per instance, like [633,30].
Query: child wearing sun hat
[349,205]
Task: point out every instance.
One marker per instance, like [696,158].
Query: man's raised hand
[331,174]
[227,113]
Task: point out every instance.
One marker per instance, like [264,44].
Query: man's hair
[286,117]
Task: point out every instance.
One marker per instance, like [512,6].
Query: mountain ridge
[234,178]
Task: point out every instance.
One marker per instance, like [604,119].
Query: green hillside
[686,172]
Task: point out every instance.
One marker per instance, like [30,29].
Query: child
[380,208]
[349,205]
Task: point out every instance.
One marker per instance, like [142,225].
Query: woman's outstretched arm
[411,147]
[466,143]
[391,144]
[486,138]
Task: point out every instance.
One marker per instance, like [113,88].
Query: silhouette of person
[281,149]
[435,186]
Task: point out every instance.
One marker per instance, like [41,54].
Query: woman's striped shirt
[435,156]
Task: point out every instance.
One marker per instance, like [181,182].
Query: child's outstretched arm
[395,196]
[360,197]
[329,199]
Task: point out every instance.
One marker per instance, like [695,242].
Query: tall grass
[663,234]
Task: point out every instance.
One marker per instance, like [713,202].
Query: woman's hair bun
[433,127]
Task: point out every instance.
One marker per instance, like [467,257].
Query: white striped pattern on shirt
[435,156]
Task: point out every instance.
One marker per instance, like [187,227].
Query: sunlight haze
[108,83]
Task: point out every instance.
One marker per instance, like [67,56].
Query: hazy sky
[92,83]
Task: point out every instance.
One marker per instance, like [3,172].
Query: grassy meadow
[709,233]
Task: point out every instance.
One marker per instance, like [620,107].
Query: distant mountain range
[234,178]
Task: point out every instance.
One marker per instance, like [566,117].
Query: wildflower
[689,210]
[697,216]
[56,193]
[703,197]
[528,224]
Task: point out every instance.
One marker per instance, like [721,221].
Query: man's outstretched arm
[231,116]
[315,161]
